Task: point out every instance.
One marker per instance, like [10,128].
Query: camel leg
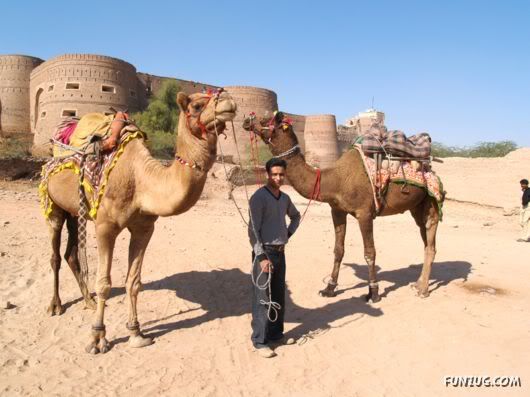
[73,260]
[426,217]
[139,240]
[366,224]
[55,225]
[339,221]
[106,234]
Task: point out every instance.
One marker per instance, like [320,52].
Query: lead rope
[81,224]
[272,307]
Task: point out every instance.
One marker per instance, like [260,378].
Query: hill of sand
[196,302]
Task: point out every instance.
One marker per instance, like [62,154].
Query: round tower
[14,93]
[320,134]
[248,99]
[77,84]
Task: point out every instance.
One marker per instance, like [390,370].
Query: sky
[459,70]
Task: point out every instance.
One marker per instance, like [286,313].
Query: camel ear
[183,100]
[278,117]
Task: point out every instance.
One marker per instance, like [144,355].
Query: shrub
[481,149]
[161,144]
[160,120]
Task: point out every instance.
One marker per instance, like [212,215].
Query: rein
[315,195]
[202,127]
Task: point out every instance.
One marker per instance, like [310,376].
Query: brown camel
[139,190]
[347,189]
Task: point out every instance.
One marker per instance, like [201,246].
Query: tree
[162,113]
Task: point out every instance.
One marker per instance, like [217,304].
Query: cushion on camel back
[417,146]
[80,131]
[397,144]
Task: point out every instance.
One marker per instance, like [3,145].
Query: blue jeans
[264,330]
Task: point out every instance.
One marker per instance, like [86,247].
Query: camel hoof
[420,292]
[327,292]
[90,304]
[92,348]
[55,309]
[104,345]
[140,341]
[373,298]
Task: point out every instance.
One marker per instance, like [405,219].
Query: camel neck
[303,177]
[166,191]
[190,149]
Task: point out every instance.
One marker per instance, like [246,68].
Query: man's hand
[108,144]
[266,265]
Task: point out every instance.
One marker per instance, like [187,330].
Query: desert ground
[196,302]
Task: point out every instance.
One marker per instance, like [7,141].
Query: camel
[139,190]
[347,189]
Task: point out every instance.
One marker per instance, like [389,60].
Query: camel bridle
[202,127]
[271,126]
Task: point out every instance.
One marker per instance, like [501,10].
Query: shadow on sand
[227,293]
[442,273]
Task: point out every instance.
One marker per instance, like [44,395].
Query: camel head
[275,130]
[206,113]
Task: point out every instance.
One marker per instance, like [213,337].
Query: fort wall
[77,84]
[15,73]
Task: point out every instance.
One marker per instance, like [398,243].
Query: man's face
[276,176]
[524,186]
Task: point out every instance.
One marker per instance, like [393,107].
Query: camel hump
[76,132]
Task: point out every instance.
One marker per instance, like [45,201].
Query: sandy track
[196,303]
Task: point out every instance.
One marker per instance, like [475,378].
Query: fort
[35,95]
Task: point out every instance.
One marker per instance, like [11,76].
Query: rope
[272,307]
[81,225]
[315,195]
[226,172]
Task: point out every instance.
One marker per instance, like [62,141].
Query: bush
[15,146]
[160,120]
[161,144]
[481,149]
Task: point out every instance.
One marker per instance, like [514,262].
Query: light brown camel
[346,188]
[139,190]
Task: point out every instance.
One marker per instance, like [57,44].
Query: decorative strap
[292,150]
[186,163]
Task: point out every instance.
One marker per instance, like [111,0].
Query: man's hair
[523,181]
[275,162]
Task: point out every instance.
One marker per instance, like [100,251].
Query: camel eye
[197,107]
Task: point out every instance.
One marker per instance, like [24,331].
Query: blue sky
[459,70]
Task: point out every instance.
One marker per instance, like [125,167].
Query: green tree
[162,113]
[160,120]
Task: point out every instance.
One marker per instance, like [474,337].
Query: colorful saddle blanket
[404,174]
[96,171]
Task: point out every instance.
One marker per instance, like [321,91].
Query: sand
[196,302]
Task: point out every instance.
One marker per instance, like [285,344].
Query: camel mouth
[225,116]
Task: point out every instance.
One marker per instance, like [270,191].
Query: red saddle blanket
[405,173]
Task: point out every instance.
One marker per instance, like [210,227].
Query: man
[525,212]
[268,235]
[110,143]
